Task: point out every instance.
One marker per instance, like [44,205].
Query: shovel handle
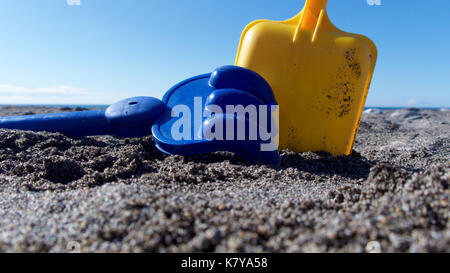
[315,6]
[311,17]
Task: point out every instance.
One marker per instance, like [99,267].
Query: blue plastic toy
[123,119]
[228,85]
[193,104]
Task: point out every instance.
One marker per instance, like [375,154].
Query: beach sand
[102,194]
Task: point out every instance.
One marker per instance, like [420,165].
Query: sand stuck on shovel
[109,195]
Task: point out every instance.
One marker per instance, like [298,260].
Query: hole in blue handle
[133,103]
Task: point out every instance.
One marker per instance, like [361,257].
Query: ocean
[98,106]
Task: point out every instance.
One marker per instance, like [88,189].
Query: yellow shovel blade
[320,76]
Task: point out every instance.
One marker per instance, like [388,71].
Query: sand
[102,194]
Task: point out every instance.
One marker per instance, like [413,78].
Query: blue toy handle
[75,124]
[128,118]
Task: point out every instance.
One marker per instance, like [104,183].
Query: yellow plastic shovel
[320,76]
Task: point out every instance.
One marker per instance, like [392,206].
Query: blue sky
[106,50]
